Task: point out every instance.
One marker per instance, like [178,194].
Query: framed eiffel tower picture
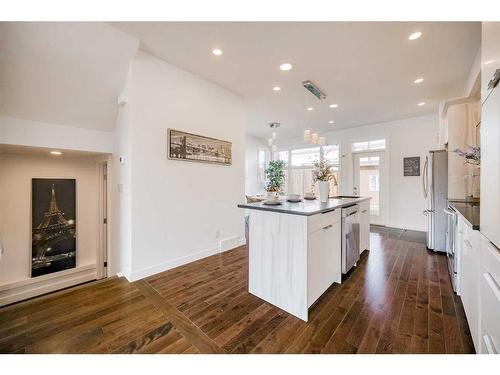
[53,225]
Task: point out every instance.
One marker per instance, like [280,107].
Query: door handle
[449,212]
[328,226]
[424,177]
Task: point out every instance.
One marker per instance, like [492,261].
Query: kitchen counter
[469,211]
[305,207]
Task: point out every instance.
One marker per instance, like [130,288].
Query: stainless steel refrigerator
[435,188]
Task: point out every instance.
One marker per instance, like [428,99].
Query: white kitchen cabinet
[490,167]
[489,295]
[490,133]
[323,260]
[461,118]
[364,226]
[468,245]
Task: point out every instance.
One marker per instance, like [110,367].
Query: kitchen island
[295,249]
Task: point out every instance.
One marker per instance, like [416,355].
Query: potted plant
[275,177]
[323,173]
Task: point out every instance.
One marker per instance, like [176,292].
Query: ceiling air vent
[313,89]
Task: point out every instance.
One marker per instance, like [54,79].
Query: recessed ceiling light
[489,62]
[334,105]
[286,66]
[310,108]
[415,35]
[331,122]
[276,88]
[217,51]
[54,152]
[418,80]
[421,104]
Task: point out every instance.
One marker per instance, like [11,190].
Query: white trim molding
[153,270]
[28,288]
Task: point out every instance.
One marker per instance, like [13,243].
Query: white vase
[272,194]
[324,191]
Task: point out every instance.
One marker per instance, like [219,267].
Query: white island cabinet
[295,252]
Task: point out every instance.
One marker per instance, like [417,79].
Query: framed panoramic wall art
[53,225]
[192,147]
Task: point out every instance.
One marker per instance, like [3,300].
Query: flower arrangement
[323,172]
[275,176]
[472,156]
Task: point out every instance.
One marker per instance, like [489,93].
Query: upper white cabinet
[490,54]
[364,226]
[458,121]
[490,133]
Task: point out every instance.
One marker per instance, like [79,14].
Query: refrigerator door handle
[447,211]
[424,177]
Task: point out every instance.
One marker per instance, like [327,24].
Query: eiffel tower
[53,229]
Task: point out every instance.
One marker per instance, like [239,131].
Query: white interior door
[368,181]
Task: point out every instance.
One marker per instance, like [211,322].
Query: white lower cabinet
[364,226]
[489,295]
[324,266]
[468,245]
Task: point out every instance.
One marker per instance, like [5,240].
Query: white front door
[368,181]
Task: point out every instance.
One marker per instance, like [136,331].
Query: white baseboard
[153,270]
[32,287]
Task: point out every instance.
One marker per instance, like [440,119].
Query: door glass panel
[369,181]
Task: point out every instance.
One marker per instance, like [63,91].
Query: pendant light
[307,135]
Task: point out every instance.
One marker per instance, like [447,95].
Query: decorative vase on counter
[272,195]
[324,191]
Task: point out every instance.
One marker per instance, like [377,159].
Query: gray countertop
[305,207]
[469,211]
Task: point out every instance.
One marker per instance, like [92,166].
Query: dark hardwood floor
[397,300]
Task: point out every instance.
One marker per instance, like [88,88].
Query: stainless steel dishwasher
[350,237]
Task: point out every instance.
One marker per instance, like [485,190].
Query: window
[373,184]
[298,175]
[378,144]
[305,156]
[283,155]
[332,156]
[262,157]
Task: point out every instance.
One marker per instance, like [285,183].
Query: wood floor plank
[193,333]
[398,299]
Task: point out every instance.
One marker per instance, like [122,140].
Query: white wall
[40,134]
[408,137]
[181,210]
[120,187]
[16,171]
[252,146]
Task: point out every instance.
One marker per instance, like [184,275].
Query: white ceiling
[63,73]
[367,68]
[43,151]
[72,73]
